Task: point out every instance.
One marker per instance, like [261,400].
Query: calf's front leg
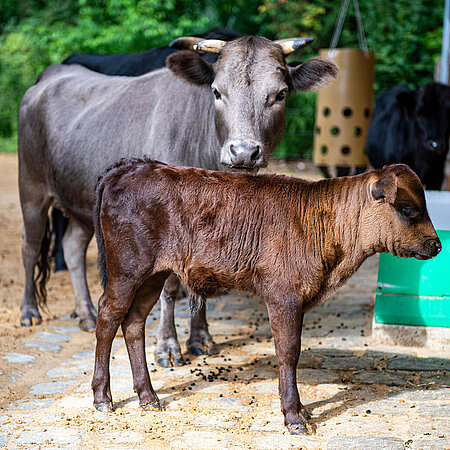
[286,318]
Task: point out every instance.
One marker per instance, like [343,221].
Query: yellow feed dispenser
[343,112]
[345,106]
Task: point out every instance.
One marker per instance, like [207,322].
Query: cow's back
[74,123]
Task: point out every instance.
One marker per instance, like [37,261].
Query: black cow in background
[135,64]
[412,127]
[125,64]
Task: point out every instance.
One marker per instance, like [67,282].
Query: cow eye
[409,213]
[216,94]
[281,95]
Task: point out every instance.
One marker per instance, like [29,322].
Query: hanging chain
[340,23]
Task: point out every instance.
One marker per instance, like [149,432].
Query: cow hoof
[164,359]
[87,325]
[297,428]
[200,348]
[151,406]
[178,360]
[104,407]
[163,362]
[28,321]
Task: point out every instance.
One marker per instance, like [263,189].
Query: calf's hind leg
[112,308]
[133,328]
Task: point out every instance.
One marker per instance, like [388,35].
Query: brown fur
[290,241]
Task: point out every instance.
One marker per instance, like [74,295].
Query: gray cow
[74,123]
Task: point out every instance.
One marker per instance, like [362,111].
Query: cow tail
[43,265]
[101,261]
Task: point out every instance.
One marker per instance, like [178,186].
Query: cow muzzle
[243,154]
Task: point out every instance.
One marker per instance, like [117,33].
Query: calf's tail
[101,262]
[43,268]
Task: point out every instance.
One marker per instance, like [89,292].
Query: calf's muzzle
[430,249]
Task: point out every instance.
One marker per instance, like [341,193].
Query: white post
[445,44]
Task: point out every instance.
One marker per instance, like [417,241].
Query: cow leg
[112,306]
[200,341]
[34,251]
[133,328]
[75,242]
[167,346]
[285,320]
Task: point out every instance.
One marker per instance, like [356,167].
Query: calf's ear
[311,75]
[385,188]
[189,66]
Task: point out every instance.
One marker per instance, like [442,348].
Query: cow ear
[311,75]
[385,188]
[189,66]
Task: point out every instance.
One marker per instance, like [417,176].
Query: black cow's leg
[59,225]
[167,346]
[133,328]
[75,242]
[200,341]
[285,319]
[35,221]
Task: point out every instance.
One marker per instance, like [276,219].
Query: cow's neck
[337,246]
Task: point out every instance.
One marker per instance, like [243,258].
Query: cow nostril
[256,153]
[233,151]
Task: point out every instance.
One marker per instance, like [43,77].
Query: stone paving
[360,395]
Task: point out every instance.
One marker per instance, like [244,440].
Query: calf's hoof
[151,406]
[87,325]
[297,428]
[165,359]
[104,407]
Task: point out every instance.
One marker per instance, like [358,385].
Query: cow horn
[290,45]
[185,43]
[210,46]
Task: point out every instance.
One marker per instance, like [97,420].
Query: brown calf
[290,241]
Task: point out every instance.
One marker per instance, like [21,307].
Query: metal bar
[445,44]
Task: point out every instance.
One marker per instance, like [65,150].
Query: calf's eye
[216,94]
[281,95]
[409,213]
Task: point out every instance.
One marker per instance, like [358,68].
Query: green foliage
[405,35]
